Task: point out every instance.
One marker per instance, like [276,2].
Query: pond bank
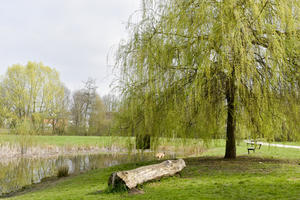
[203,178]
[45,183]
[21,172]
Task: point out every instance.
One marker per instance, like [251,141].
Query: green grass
[269,173]
[4,131]
[68,140]
[94,140]
[184,146]
[189,146]
[264,152]
[203,178]
[108,140]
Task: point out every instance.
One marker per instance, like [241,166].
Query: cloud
[73,36]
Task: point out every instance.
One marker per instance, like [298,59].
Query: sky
[76,37]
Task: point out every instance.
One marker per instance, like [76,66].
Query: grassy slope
[248,177]
[205,178]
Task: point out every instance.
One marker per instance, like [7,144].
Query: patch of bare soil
[241,164]
[135,191]
[239,159]
[294,179]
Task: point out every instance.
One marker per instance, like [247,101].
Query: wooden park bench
[253,145]
[251,149]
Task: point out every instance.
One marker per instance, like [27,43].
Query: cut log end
[131,178]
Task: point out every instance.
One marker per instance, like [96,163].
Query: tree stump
[131,178]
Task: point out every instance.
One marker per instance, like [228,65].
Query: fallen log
[131,178]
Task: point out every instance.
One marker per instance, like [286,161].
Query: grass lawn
[269,173]
[109,140]
[185,146]
[203,178]
[264,152]
[68,140]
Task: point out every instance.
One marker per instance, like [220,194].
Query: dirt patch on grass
[296,179]
[243,164]
[239,159]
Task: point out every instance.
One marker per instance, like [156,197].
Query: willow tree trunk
[231,118]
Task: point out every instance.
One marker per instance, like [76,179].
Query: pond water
[20,172]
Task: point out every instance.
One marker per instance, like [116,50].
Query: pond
[17,173]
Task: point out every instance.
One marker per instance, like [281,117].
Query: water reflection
[25,171]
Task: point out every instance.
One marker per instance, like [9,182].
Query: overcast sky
[72,36]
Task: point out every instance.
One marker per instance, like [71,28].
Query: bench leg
[251,150]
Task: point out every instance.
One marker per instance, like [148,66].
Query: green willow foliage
[191,63]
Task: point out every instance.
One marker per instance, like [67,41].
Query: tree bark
[230,152]
[130,179]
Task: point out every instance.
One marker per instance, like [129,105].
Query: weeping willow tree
[196,68]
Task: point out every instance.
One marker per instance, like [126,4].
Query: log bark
[130,179]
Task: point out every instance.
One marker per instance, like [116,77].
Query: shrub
[63,171]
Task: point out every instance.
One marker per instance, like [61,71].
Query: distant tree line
[33,100]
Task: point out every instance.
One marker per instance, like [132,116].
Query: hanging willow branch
[190,65]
